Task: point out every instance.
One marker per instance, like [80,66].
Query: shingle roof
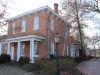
[3,37]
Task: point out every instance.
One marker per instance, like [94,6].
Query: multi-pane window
[36,23]
[23,25]
[22,49]
[52,24]
[36,48]
[13,28]
[52,47]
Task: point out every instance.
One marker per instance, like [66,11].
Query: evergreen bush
[5,58]
[24,60]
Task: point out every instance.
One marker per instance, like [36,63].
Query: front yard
[42,66]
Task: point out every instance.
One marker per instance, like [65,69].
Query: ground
[91,67]
[12,70]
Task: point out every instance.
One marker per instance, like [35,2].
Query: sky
[17,7]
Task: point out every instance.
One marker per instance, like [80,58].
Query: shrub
[48,66]
[52,56]
[5,58]
[24,60]
[30,67]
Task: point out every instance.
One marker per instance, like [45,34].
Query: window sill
[36,56]
[22,55]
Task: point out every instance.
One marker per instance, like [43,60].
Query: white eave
[35,10]
[26,38]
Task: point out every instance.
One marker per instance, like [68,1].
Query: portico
[18,47]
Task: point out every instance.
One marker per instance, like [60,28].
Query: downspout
[48,39]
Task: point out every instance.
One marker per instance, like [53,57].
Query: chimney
[56,8]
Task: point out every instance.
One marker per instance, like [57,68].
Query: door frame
[12,52]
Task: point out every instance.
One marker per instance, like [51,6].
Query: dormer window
[23,25]
[36,23]
[13,28]
[52,24]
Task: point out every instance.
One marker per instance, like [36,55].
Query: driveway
[12,70]
[91,67]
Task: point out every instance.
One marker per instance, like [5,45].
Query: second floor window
[13,28]
[23,25]
[36,23]
[52,24]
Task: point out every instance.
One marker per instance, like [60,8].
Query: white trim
[32,50]
[18,50]
[24,37]
[36,10]
[12,52]
[36,55]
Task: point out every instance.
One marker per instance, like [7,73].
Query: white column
[32,50]
[8,50]
[0,49]
[18,50]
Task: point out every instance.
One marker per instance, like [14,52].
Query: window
[23,25]
[52,24]
[3,50]
[36,23]
[13,28]
[22,49]
[52,48]
[36,48]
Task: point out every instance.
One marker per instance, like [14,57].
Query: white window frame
[36,23]
[52,24]
[21,49]
[52,48]
[35,55]
[23,26]
[13,28]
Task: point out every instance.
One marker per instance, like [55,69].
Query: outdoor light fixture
[57,39]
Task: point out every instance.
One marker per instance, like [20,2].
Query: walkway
[91,67]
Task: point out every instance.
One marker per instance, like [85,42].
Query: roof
[35,10]
[25,38]
[3,37]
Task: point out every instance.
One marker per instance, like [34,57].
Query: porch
[26,46]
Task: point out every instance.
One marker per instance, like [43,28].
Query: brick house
[31,34]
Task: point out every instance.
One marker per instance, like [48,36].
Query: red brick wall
[29,25]
[44,25]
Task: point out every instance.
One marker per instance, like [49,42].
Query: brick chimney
[56,8]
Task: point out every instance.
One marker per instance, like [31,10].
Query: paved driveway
[91,67]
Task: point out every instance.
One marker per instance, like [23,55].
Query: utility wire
[15,9]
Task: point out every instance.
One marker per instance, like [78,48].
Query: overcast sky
[17,7]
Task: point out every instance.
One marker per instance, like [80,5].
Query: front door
[12,52]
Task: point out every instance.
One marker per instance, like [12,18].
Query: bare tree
[73,12]
[92,5]
[3,8]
